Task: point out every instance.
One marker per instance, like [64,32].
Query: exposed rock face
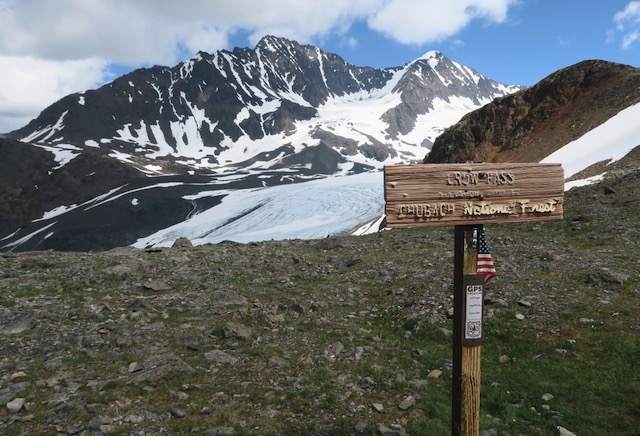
[531,124]
[33,182]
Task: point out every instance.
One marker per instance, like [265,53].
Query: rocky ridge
[530,124]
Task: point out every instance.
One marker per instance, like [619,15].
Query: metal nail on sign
[451,194]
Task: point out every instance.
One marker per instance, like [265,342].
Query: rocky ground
[345,335]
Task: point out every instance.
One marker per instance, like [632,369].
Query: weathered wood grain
[448,194]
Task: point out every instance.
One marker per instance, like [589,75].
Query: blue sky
[52,49]
[538,38]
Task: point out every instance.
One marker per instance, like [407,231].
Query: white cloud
[138,32]
[51,48]
[29,84]
[352,42]
[419,22]
[627,23]
[630,38]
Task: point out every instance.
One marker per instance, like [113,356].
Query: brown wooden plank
[447,194]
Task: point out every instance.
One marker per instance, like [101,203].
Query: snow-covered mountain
[280,105]
[221,129]
[529,125]
[311,210]
[355,203]
[285,141]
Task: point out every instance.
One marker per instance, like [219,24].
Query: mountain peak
[273,43]
[432,56]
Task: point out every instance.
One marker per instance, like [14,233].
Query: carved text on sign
[465,178]
[548,206]
[441,194]
[523,206]
[476,194]
[436,210]
[426,210]
[483,208]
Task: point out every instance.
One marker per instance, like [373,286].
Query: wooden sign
[452,194]
[469,196]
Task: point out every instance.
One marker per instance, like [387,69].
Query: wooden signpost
[469,196]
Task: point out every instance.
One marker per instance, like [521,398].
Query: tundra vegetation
[343,335]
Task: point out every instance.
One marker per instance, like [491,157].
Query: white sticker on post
[473,312]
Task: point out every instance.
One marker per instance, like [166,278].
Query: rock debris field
[344,335]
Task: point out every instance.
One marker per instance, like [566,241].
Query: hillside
[344,335]
[529,125]
[36,180]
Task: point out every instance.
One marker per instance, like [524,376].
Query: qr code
[473,330]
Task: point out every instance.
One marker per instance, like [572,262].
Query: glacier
[354,204]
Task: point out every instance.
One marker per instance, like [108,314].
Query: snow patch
[55,212]
[27,237]
[52,129]
[153,168]
[62,153]
[583,182]
[611,140]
